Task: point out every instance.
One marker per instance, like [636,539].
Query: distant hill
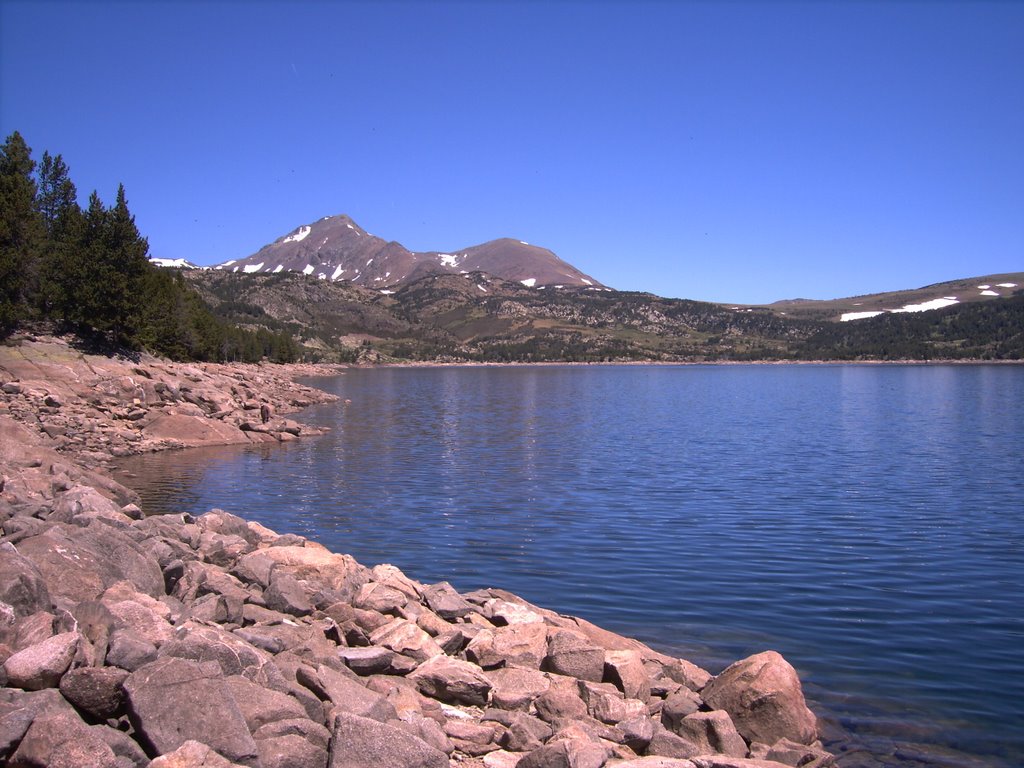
[478,317]
[936,296]
[336,248]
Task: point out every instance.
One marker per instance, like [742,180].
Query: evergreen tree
[127,266]
[57,203]
[105,277]
[57,197]
[86,273]
[21,231]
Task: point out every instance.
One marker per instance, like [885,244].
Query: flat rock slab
[81,563]
[173,700]
[360,742]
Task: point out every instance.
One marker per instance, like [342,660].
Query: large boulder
[260,706]
[286,594]
[573,654]
[143,616]
[606,703]
[192,754]
[173,700]
[443,600]
[96,691]
[712,732]
[516,687]
[523,644]
[560,704]
[232,654]
[359,742]
[21,584]
[678,705]
[62,739]
[405,637]
[42,665]
[625,670]
[81,563]
[763,696]
[346,694]
[18,710]
[81,503]
[290,751]
[187,430]
[339,573]
[567,753]
[452,680]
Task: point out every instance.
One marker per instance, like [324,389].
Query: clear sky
[731,151]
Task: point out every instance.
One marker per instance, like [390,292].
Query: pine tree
[87,275]
[60,270]
[108,271]
[21,231]
[127,265]
[57,197]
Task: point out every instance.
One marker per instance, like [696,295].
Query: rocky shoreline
[180,641]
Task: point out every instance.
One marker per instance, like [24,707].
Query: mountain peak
[336,248]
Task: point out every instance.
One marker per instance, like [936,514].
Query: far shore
[560,363]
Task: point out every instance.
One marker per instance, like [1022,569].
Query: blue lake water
[865,521]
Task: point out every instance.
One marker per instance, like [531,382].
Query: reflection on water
[863,520]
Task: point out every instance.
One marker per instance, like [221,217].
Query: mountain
[478,317]
[336,248]
[935,296]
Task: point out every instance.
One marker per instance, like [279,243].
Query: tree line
[88,272]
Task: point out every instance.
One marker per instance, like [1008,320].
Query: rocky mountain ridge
[336,248]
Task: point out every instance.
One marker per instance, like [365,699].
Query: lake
[867,521]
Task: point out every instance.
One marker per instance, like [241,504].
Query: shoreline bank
[174,640]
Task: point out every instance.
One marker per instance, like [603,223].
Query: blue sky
[736,152]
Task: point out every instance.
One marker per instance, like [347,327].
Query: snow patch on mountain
[180,263]
[924,306]
[249,268]
[298,236]
[529,282]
